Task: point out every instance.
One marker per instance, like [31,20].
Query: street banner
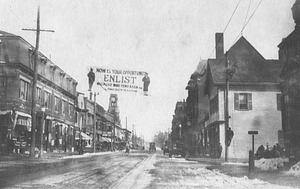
[116,80]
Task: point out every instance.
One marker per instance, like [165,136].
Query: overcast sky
[166,38]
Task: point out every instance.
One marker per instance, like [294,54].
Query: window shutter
[279,100]
[236,101]
[249,96]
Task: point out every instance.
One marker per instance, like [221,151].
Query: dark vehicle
[274,152]
[166,150]
[177,149]
[152,146]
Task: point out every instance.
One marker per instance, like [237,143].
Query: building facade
[289,52]
[56,91]
[254,101]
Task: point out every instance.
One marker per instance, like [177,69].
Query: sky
[166,38]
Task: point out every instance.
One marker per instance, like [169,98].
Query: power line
[247,12]
[247,22]
[227,24]
[240,32]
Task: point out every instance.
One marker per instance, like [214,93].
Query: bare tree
[160,139]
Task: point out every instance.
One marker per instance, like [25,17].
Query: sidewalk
[18,158]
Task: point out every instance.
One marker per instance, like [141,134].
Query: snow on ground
[204,178]
[275,164]
[294,170]
[85,155]
[235,163]
[269,164]
[138,177]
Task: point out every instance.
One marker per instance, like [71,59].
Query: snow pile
[204,178]
[85,155]
[236,163]
[294,170]
[269,164]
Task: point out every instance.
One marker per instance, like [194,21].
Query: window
[63,108]
[39,95]
[242,101]
[24,90]
[71,110]
[56,103]
[47,99]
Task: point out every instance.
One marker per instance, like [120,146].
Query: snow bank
[269,164]
[204,178]
[84,155]
[294,170]
[236,163]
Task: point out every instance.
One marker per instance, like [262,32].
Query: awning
[105,139]
[5,112]
[23,114]
[83,135]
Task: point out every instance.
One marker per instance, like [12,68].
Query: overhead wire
[247,12]
[245,24]
[227,24]
[235,9]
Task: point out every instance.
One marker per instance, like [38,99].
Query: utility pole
[226,105]
[33,103]
[95,123]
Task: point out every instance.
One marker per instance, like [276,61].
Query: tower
[113,106]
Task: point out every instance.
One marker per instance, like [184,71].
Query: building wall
[16,57]
[264,118]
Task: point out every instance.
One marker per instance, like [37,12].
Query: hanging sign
[117,80]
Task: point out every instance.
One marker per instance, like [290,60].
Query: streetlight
[179,130]
[42,129]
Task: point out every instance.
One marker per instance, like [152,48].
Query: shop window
[242,101]
[24,90]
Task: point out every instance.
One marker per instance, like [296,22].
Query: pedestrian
[127,150]
[229,136]
[220,148]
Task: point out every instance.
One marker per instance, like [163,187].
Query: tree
[160,138]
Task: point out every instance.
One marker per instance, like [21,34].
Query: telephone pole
[226,105]
[33,111]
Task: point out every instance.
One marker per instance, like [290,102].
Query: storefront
[21,132]
[213,133]
[5,130]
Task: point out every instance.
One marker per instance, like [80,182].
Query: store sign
[117,80]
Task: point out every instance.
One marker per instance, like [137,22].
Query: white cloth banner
[119,80]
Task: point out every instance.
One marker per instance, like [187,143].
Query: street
[117,170]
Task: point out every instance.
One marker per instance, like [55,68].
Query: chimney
[219,45]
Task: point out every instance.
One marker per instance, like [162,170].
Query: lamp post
[80,137]
[95,122]
[42,130]
[179,130]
